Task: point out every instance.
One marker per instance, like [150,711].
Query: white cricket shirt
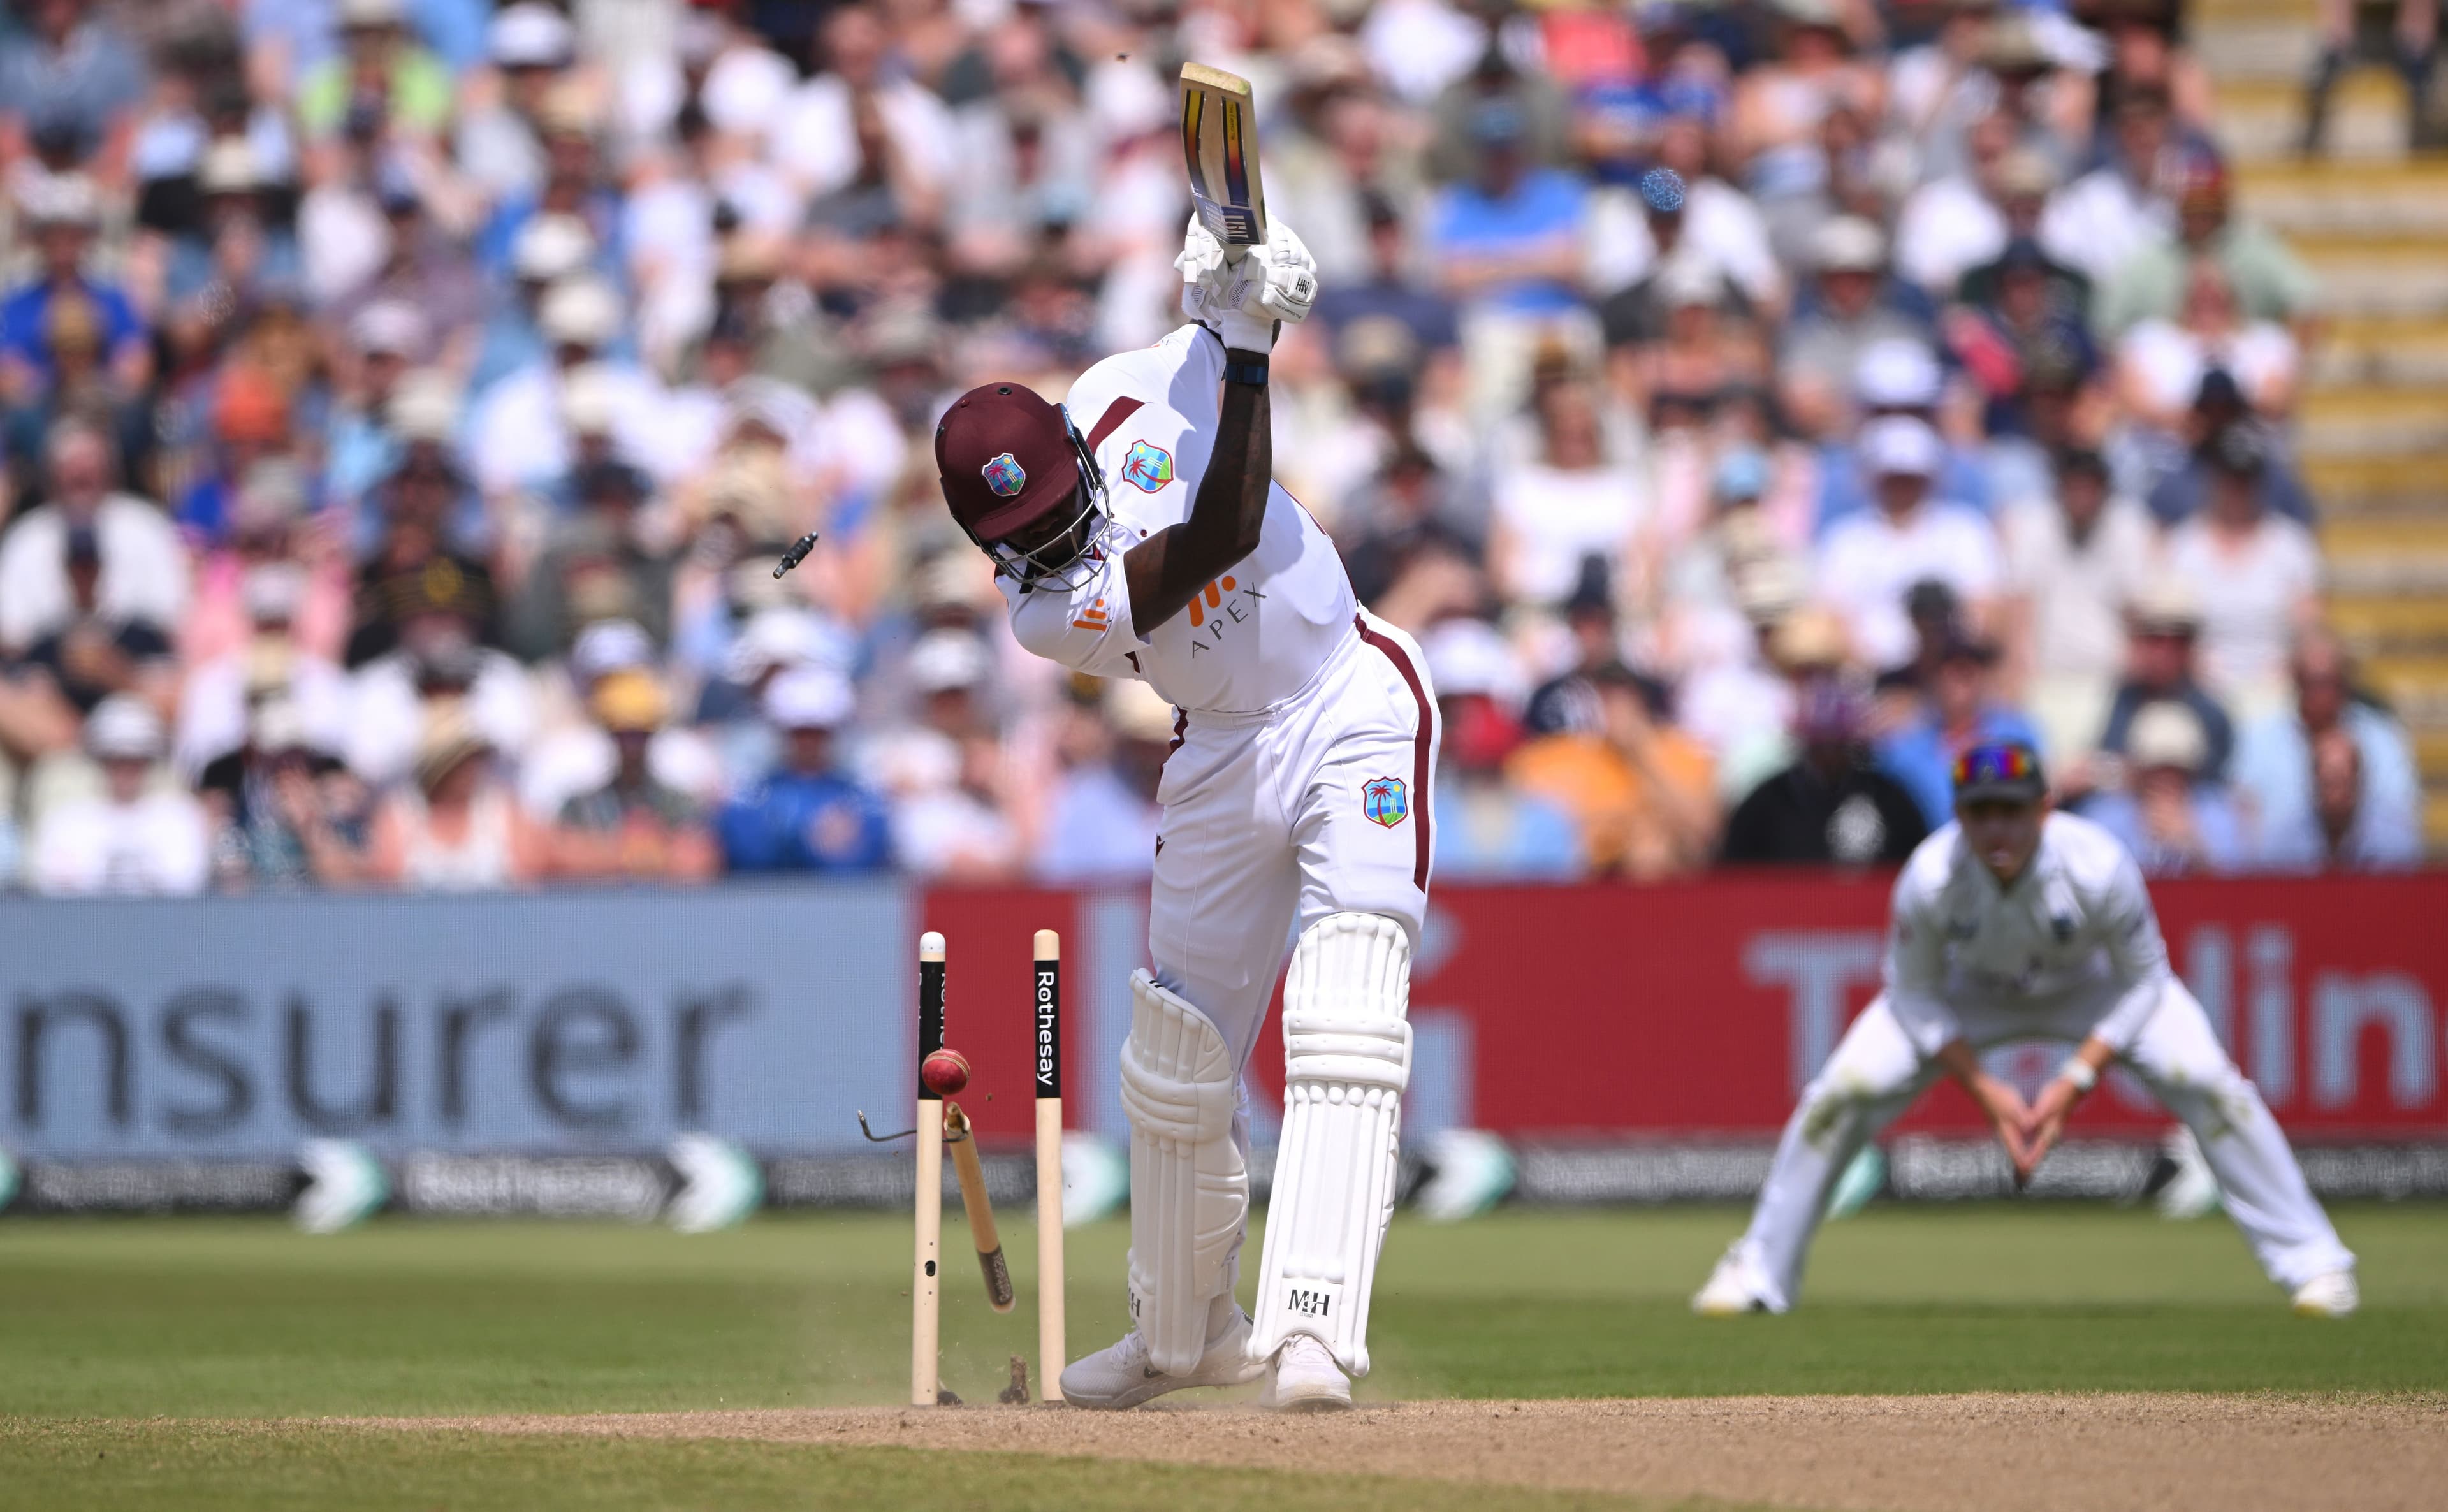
[1250,639]
[2078,920]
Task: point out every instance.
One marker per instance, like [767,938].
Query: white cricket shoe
[1305,1379]
[1121,1377]
[1729,1292]
[2331,1294]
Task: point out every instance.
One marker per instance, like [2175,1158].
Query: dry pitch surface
[2103,1452]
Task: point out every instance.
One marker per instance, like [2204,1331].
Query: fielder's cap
[1901,445]
[943,661]
[123,728]
[1848,245]
[1006,458]
[550,247]
[629,701]
[608,646]
[1897,374]
[529,36]
[2000,769]
[2166,734]
[809,699]
[580,311]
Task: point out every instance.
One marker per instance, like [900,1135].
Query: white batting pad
[1347,1059]
[1190,1188]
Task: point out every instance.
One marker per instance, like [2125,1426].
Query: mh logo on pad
[1386,801]
[1004,475]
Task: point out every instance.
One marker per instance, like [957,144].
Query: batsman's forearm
[1226,515]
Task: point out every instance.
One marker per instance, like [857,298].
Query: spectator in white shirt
[2074,563]
[143,567]
[519,434]
[2103,218]
[2162,362]
[2254,572]
[129,840]
[1567,504]
[1869,561]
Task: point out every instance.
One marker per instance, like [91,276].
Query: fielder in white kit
[2017,923]
[1137,532]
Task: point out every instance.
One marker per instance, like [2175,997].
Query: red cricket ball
[946,1072]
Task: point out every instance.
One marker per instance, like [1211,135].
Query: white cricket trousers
[1876,1074]
[1316,806]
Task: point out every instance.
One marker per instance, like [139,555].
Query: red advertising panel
[1700,1008]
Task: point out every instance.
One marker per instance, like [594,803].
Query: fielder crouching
[2017,923]
[1137,532]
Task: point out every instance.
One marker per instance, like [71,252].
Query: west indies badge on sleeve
[1386,800]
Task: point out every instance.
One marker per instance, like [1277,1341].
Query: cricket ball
[946,1072]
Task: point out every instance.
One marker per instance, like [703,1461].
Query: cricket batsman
[2017,923]
[1137,531]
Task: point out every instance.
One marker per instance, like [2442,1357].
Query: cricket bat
[1219,146]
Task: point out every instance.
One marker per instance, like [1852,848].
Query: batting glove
[1242,299]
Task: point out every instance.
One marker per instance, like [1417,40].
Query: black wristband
[1252,374]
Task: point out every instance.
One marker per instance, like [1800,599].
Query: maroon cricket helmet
[1007,459]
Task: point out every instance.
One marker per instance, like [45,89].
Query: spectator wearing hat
[2173,473]
[1783,104]
[2255,574]
[531,48]
[773,639]
[1408,540]
[133,838]
[2164,625]
[418,561]
[387,338]
[1487,828]
[2173,821]
[1898,375]
[634,826]
[547,250]
[805,816]
[237,254]
[818,140]
[420,265]
[2359,807]
[1506,245]
[2269,280]
[96,654]
[1956,223]
[609,559]
[438,670]
[285,815]
[457,827]
[519,431]
[1832,806]
[574,751]
[380,61]
[142,570]
[2032,326]
[1867,561]
[1845,312]
[1100,815]
[61,213]
[260,644]
[2076,560]
[70,65]
[254,422]
[1388,289]
[1959,710]
[1641,791]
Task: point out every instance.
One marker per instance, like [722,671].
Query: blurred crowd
[1749,403]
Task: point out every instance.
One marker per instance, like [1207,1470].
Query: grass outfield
[199,1318]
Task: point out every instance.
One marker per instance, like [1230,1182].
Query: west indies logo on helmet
[1021,484]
